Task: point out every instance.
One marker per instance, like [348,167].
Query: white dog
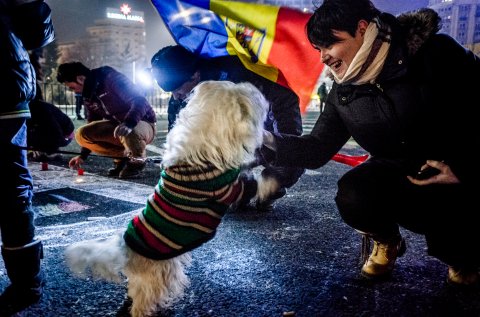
[215,135]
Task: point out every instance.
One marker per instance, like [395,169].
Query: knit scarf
[184,211]
[369,60]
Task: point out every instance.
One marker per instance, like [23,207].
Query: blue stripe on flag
[197,29]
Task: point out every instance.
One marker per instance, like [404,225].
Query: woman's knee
[355,199]
[349,193]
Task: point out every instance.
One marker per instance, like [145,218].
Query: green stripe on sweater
[207,185]
[210,204]
[171,230]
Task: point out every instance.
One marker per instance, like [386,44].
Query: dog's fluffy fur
[222,125]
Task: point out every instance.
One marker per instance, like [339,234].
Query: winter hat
[173,66]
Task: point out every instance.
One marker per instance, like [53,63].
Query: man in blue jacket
[24,25]
[177,70]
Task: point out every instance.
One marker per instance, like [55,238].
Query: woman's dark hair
[338,15]
[68,72]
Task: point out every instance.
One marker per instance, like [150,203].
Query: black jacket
[284,115]
[24,27]
[48,128]
[410,115]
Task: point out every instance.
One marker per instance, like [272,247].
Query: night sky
[71,17]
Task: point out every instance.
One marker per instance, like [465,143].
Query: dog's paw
[267,187]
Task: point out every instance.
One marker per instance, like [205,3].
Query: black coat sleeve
[317,148]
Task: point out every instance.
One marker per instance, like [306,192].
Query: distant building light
[125,13]
[125,9]
[120,16]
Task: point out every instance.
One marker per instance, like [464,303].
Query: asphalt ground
[299,260]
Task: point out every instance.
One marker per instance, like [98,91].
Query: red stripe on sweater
[200,218]
[149,238]
[233,195]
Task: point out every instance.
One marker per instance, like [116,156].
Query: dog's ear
[253,104]
[245,107]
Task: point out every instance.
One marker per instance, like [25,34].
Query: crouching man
[121,122]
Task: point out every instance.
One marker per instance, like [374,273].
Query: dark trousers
[376,197]
[174,107]
[16,216]
[78,106]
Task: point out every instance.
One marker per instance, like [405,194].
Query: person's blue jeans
[16,215]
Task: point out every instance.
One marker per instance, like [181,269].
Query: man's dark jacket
[109,94]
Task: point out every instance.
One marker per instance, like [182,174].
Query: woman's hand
[445,176]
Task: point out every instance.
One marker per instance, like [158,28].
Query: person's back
[109,94]
[48,129]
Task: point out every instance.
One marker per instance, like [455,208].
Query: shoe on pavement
[133,168]
[463,276]
[23,267]
[119,164]
[381,261]
[14,299]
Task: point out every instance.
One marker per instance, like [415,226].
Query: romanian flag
[269,40]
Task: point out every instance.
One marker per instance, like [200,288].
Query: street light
[145,79]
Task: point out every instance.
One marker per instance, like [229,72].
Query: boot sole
[382,277]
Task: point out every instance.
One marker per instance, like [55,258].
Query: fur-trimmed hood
[419,26]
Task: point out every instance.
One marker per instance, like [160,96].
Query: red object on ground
[80,171]
[351,160]
[44,166]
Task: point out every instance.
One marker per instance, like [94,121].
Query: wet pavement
[299,260]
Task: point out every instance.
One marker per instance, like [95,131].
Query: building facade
[461,20]
[118,40]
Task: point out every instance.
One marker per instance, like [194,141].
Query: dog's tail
[101,258]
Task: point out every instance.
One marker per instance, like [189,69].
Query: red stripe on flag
[300,65]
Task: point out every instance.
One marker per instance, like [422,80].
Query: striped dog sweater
[184,211]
